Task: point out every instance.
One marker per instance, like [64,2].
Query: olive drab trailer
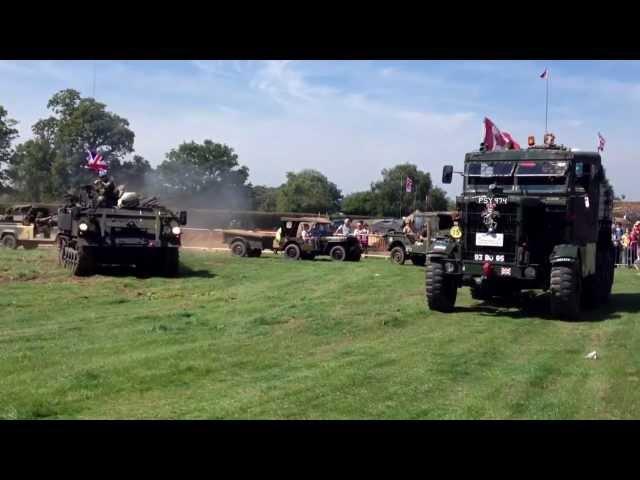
[535,218]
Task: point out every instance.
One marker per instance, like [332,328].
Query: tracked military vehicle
[129,231]
[536,218]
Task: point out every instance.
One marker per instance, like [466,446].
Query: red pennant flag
[494,139]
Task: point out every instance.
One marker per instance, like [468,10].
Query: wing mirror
[447,173]
[182,217]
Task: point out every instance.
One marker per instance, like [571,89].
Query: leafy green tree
[437,200]
[132,173]
[77,125]
[30,171]
[208,174]
[7,135]
[390,195]
[360,203]
[308,191]
[265,199]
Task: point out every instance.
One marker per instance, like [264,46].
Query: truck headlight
[449,267]
[176,230]
[83,227]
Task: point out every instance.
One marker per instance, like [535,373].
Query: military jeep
[28,225]
[320,242]
[428,225]
[535,218]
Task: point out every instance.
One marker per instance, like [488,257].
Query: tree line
[195,175]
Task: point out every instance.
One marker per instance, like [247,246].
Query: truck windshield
[479,175]
[543,176]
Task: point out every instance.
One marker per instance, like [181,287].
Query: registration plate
[490,239]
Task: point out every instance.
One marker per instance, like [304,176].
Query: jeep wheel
[355,256]
[292,252]
[338,253]
[441,291]
[565,292]
[239,248]
[418,260]
[397,255]
[9,241]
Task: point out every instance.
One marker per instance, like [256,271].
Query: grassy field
[266,338]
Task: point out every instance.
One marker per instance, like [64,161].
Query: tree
[437,200]
[77,125]
[390,195]
[7,135]
[360,203]
[308,191]
[208,174]
[30,171]
[265,199]
[132,173]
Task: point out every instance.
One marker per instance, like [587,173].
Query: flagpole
[401,189]
[546,112]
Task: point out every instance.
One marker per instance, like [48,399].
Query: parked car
[385,226]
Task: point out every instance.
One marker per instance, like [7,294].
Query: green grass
[267,338]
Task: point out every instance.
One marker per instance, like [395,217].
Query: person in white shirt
[345,228]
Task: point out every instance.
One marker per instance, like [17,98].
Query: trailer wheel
[292,252]
[441,290]
[254,253]
[239,248]
[565,289]
[397,255]
[9,241]
[338,253]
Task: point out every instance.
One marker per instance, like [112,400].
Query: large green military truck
[536,218]
[132,232]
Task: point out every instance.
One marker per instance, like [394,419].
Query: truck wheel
[418,260]
[171,262]
[441,291]
[254,253]
[604,274]
[239,248]
[355,257]
[338,253]
[565,289]
[397,255]
[9,241]
[292,252]
[480,292]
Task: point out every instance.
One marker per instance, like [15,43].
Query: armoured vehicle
[535,218]
[136,232]
[428,225]
[28,225]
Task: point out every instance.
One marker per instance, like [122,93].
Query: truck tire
[338,253]
[254,253]
[397,255]
[604,275]
[239,248]
[355,256]
[441,291]
[565,289]
[9,241]
[171,262]
[418,260]
[292,252]
[480,292]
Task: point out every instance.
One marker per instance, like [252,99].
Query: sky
[347,119]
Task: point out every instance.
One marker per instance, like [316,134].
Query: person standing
[344,229]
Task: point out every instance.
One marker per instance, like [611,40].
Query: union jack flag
[96,161]
[409,185]
[601,142]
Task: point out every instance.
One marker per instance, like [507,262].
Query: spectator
[305,233]
[625,247]
[633,244]
[362,234]
[409,230]
[616,237]
[344,229]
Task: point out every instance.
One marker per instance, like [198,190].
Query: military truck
[132,232]
[534,218]
[28,225]
[402,247]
